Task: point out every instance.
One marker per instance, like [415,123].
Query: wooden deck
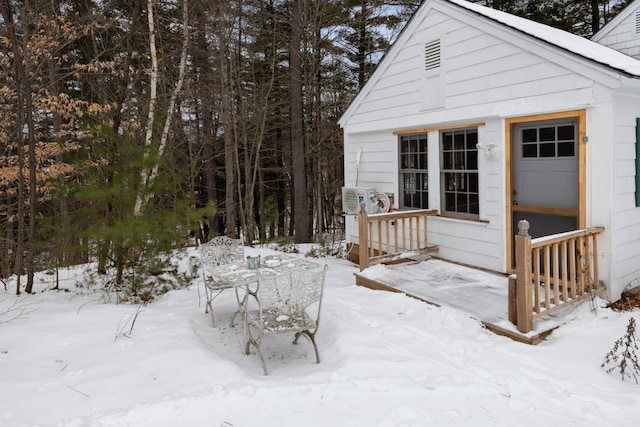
[481,294]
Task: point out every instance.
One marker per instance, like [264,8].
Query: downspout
[358,155]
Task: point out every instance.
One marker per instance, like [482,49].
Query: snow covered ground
[68,359]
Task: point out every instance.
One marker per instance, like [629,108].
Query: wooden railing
[384,237]
[551,272]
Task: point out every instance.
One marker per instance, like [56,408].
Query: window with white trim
[414,178]
[459,173]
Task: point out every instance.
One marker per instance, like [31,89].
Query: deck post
[523,278]
[512,299]
[363,237]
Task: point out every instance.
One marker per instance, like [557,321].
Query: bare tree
[21,65]
[149,175]
[227,66]
[300,202]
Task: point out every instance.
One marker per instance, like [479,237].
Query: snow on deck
[483,295]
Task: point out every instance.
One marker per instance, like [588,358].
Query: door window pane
[548,141]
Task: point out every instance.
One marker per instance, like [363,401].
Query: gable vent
[637,22]
[432,55]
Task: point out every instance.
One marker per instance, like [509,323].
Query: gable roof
[566,41]
[562,41]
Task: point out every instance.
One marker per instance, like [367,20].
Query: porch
[553,273]
[483,295]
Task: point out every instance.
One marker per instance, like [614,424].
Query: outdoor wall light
[489,149]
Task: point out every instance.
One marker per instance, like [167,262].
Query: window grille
[414,174]
[459,173]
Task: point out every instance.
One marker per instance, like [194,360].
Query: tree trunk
[208,134]
[21,65]
[230,150]
[300,200]
[262,224]
[153,87]
[65,234]
[149,175]
[595,16]
[362,47]
[227,114]
[20,210]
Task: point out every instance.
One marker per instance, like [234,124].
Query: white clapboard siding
[465,241]
[378,160]
[478,69]
[623,32]
[625,250]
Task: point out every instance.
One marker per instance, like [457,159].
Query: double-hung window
[459,173]
[414,179]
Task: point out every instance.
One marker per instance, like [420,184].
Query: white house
[490,118]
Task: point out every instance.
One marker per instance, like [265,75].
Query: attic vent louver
[432,55]
[637,26]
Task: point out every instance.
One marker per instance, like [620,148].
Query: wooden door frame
[581,117]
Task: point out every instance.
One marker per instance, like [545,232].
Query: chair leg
[208,304]
[264,365]
[241,302]
[233,318]
[208,307]
[256,343]
[213,317]
[312,338]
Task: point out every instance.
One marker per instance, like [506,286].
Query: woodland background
[127,127]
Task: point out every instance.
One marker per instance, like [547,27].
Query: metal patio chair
[218,251]
[282,303]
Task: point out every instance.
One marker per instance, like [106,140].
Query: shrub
[623,357]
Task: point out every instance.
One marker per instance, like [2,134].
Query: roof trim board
[423,130]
